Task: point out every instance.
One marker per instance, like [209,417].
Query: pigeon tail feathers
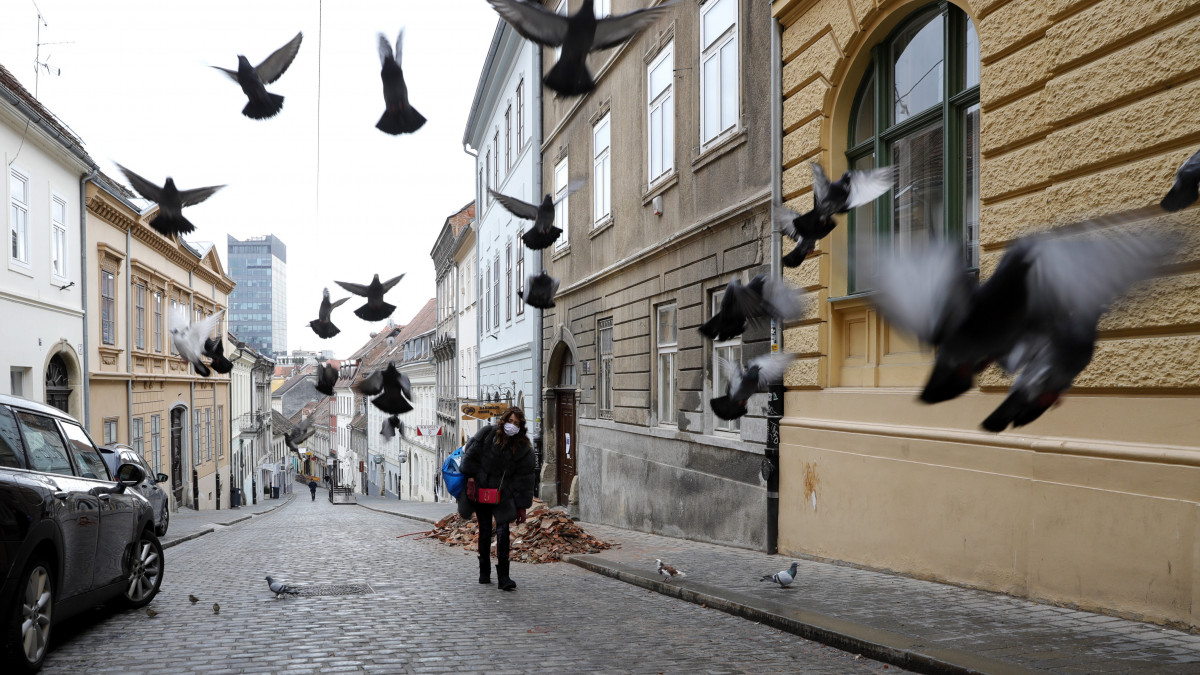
[403,121]
[168,225]
[726,408]
[261,110]
[368,313]
[798,254]
[569,78]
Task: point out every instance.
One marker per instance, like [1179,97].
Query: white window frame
[114,425]
[60,247]
[508,147]
[603,8]
[602,172]
[561,213]
[156,441]
[724,349]
[667,354]
[520,115]
[15,207]
[604,369]
[519,278]
[561,10]
[727,37]
[136,440]
[664,103]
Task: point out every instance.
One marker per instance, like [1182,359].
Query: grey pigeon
[539,290]
[399,117]
[189,338]
[578,35]
[171,201]
[263,104]
[375,308]
[1186,189]
[391,425]
[280,589]
[543,233]
[322,325]
[784,578]
[301,433]
[854,188]
[743,383]
[757,300]
[327,377]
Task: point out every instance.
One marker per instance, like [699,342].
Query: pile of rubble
[545,536]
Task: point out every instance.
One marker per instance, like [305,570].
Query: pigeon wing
[231,73]
[614,30]
[924,291]
[772,366]
[273,67]
[572,188]
[192,197]
[783,302]
[733,373]
[533,21]
[820,185]
[372,384]
[144,187]
[390,283]
[865,186]
[515,206]
[207,326]
[385,49]
[399,47]
[357,289]
[785,220]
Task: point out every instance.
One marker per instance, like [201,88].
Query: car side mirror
[161,478]
[130,474]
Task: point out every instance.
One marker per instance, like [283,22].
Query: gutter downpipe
[776,391]
[129,333]
[193,453]
[83,291]
[538,380]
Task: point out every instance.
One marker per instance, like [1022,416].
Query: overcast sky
[136,85]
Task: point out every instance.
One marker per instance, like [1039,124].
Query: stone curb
[200,533]
[423,519]
[894,648]
[187,537]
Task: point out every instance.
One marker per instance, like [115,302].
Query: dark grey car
[71,537]
[116,455]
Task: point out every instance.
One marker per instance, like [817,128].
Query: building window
[603,8]
[136,437]
[660,113]
[58,228]
[520,115]
[566,373]
[197,449]
[139,316]
[158,322]
[174,313]
[487,176]
[917,109]
[496,166]
[110,431]
[601,172]
[520,280]
[156,442]
[605,386]
[220,435]
[496,293]
[508,150]
[487,302]
[718,69]
[731,351]
[560,204]
[508,287]
[108,318]
[18,221]
[668,346]
[208,434]
[16,381]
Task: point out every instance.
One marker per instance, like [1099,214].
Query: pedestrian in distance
[501,472]
[312,487]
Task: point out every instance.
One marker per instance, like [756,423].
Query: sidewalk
[918,625]
[187,524]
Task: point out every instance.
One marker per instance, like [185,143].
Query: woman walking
[500,469]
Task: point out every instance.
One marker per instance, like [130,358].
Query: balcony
[252,423]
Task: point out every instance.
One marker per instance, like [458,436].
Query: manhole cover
[334,589]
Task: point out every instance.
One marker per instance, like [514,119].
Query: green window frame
[876,138]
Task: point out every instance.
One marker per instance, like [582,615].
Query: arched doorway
[566,441]
[58,386]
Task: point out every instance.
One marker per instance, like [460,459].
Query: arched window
[917,109]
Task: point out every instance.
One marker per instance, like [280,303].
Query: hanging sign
[429,430]
[482,411]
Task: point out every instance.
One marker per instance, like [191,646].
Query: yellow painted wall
[1088,108]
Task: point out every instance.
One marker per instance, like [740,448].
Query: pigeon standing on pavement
[193,599]
[399,117]
[375,308]
[1186,189]
[263,104]
[667,571]
[214,349]
[216,608]
[544,232]
[189,338]
[322,325]
[578,35]
[784,578]
[327,376]
[854,188]
[741,383]
[539,290]
[171,200]
[151,613]
[280,589]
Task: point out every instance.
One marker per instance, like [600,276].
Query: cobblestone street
[420,618]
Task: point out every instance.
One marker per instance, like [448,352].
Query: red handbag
[486,495]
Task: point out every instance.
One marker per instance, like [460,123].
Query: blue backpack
[452,476]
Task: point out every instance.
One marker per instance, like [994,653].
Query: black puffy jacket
[512,470]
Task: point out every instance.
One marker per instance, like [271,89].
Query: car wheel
[30,622]
[165,520]
[145,572]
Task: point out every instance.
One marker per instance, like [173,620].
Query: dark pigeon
[263,104]
[301,433]
[758,300]
[854,188]
[375,308]
[1186,189]
[327,376]
[539,290]
[390,426]
[171,201]
[215,349]
[321,325]
[543,233]
[399,117]
[395,394]
[742,383]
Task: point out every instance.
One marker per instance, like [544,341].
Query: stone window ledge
[719,149]
[663,184]
[726,441]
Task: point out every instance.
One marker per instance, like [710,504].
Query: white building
[466,380]
[42,285]
[457,234]
[502,133]
[419,445]
[250,417]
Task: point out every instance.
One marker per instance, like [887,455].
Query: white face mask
[511,429]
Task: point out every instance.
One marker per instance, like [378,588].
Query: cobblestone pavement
[187,522]
[426,614]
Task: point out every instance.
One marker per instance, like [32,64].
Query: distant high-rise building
[258,310]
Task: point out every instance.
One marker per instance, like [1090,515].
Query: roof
[359,422]
[29,404]
[486,79]
[280,424]
[39,114]
[296,378]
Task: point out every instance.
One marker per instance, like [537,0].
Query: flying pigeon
[399,117]
[854,188]
[280,589]
[539,290]
[743,383]
[1186,189]
[784,578]
[394,389]
[543,233]
[578,35]
[390,426]
[301,433]
[375,308]
[758,299]
[189,338]
[169,220]
[263,104]
[327,376]
[668,571]
[321,325]
[214,349]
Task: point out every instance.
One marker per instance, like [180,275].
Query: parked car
[71,536]
[115,455]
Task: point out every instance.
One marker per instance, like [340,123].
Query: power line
[317,190]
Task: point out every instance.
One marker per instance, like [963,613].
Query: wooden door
[177,454]
[567,443]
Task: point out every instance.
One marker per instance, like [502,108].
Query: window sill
[718,149]
[560,253]
[20,267]
[658,188]
[605,224]
[670,432]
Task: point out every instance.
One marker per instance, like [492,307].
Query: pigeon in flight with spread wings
[399,117]
[327,376]
[544,232]
[301,433]
[375,308]
[171,201]
[1186,189]
[854,188]
[578,34]
[322,325]
[189,338]
[263,104]
[756,300]
[539,290]
[394,390]
[214,349]
[742,383]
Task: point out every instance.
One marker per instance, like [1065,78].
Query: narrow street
[424,613]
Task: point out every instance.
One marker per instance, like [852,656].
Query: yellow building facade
[1004,117]
[142,393]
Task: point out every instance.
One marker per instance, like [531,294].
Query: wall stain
[810,483]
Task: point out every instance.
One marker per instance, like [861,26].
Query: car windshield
[44,444]
[86,454]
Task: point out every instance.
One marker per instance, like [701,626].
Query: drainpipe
[776,390]
[480,205]
[129,333]
[193,452]
[537,260]
[83,291]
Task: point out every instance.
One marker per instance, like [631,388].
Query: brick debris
[545,536]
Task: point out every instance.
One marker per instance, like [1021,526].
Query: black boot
[502,580]
[485,570]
